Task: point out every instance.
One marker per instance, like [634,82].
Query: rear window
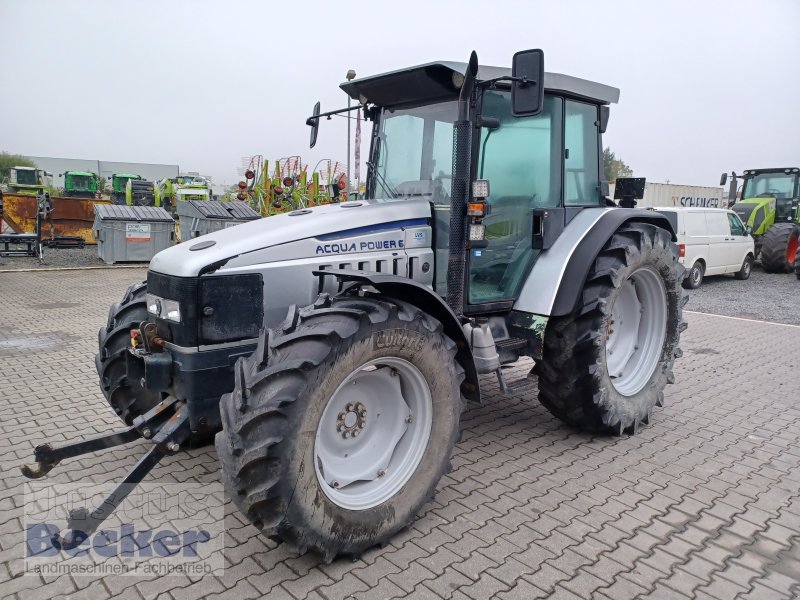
[672,217]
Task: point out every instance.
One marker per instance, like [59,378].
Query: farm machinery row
[289,185]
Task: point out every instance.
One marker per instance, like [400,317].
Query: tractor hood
[324,224]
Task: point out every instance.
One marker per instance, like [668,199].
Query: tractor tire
[632,303]
[303,452]
[779,248]
[747,268]
[126,396]
[694,278]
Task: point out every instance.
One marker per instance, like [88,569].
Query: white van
[712,241]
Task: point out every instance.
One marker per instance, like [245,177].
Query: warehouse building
[104,168]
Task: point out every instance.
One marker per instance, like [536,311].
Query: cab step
[521,386]
[510,344]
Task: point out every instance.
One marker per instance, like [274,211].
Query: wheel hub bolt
[173,446]
[409,419]
[146,433]
[335,484]
[381,473]
[352,420]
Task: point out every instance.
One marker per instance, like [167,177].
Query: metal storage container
[198,217]
[670,194]
[131,233]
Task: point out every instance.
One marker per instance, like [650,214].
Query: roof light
[477,232]
[480,188]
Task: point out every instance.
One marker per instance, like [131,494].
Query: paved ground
[704,503]
[764,296]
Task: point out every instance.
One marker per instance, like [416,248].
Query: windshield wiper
[388,187]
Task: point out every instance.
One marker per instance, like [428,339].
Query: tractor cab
[80,184]
[28,180]
[769,196]
[542,168]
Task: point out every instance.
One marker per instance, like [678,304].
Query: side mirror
[527,92]
[313,122]
[748,230]
[723,179]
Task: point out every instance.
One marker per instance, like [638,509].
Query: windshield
[26,177]
[780,185]
[415,153]
[80,182]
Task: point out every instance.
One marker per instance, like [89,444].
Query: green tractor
[80,184]
[770,208]
[184,187]
[132,189]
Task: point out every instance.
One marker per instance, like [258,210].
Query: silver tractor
[332,349]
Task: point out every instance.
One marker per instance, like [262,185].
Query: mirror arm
[524,81]
[330,113]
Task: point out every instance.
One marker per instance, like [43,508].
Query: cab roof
[82,173]
[439,81]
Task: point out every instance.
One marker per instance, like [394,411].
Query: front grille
[233,306]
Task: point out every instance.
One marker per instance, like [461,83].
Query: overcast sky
[707,86]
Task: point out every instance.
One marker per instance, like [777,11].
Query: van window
[736,225]
[696,224]
[717,223]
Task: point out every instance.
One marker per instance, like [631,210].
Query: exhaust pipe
[462,136]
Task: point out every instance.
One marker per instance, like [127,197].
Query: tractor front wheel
[125,395]
[604,367]
[779,247]
[341,423]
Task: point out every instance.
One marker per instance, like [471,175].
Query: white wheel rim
[373,433]
[636,331]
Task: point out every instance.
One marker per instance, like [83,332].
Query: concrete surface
[703,503]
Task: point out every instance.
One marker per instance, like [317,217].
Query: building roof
[437,81]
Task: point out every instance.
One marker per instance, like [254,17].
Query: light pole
[351,74]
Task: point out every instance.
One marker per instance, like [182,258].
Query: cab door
[522,159]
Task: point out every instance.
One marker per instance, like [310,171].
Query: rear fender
[556,281]
[429,302]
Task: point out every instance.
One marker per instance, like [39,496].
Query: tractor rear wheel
[604,367]
[341,423]
[779,248]
[126,396]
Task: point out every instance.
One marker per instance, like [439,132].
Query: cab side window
[581,160]
[736,225]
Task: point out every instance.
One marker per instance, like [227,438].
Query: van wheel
[694,278]
[747,267]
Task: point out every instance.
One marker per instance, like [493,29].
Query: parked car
[712,241]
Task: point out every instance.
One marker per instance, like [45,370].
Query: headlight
[153,305]
[172,310]
[165,309]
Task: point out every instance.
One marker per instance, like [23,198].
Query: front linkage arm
[168,426]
